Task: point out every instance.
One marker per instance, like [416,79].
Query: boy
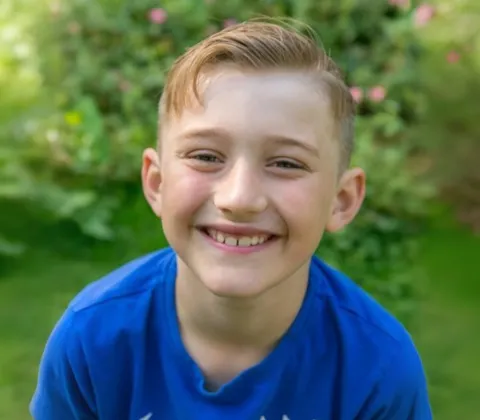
[238,319]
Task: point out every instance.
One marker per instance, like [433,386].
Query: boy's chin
[235,286]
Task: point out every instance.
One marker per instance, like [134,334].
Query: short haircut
[261,46]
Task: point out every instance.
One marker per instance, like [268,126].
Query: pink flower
[157,16]
[453,56]
[423,14]
[377,93]
[229,22]
[357,94]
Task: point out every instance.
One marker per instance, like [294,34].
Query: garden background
[79,84]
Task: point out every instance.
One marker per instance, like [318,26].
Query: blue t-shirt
[117,354]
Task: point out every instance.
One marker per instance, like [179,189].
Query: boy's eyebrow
[219,133]
[288,141]
[206,133]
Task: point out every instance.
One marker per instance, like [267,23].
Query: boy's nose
[240,193]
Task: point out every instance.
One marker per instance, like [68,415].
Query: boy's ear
[349,199]
[152,180]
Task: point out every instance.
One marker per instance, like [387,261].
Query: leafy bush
[19,86]
[450,130]
[104,70]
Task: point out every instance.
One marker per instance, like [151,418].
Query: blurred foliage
[77,156]
[20,81]
[450,133]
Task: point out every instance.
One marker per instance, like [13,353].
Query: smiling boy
[239,319]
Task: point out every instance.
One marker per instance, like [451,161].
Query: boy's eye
[287,164]
[205,157]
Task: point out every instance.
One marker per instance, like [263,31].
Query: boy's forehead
[257,106]
[226,83]
[233,95]
[256,85]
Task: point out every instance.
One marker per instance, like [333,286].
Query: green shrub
[450,132]
[104,70]
[20,82]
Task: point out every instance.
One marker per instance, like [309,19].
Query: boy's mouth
[236,240]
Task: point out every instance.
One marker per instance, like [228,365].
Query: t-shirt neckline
[254,377]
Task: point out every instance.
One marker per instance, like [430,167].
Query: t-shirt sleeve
[401,393]
[63,389]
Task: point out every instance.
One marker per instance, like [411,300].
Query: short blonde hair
[263,46]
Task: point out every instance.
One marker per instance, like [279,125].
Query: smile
[236,240]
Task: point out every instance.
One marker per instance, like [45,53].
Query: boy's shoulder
[130,280]
[350,302]
[373,350]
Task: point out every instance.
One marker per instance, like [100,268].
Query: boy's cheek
[185,195]
[305,202]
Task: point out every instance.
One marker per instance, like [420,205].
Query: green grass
[33,294]
[449,332]
[35,290]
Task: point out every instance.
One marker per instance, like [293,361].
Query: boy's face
[247,184]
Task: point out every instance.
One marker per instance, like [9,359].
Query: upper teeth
[227,239]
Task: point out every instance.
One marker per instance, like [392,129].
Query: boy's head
[255,138]
[259,47]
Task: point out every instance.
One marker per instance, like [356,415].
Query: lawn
[35,290]
[448,334]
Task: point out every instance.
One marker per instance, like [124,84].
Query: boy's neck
[216,327]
